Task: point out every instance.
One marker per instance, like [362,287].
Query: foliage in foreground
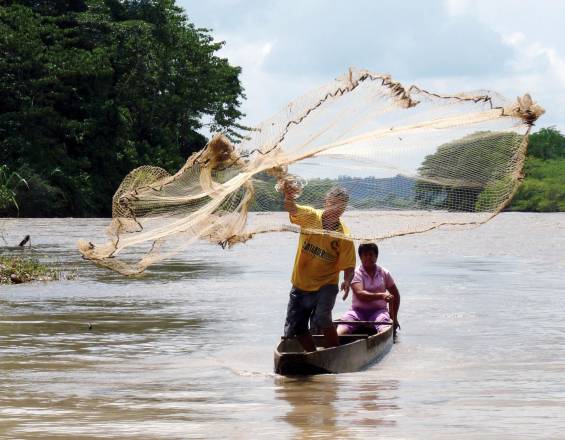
[15,270]
[9,182]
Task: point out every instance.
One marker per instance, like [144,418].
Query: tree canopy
[547,143]
[464,168]
[90,89]
[475,159]
[543,189]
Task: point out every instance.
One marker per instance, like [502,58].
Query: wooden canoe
[355,352]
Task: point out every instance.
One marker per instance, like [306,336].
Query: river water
[187,350]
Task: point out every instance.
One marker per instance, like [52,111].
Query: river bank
[18,270]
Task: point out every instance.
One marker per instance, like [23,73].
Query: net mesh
[408,160]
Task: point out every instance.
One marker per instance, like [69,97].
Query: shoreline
[20,270]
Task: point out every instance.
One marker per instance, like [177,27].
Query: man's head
[368,253]
[335,203]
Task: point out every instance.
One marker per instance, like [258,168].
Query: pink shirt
[379,283]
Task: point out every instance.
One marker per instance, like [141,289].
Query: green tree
[548,143]
[543,189]
[458,172]
[90,89]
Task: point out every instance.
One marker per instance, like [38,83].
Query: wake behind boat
[355,352]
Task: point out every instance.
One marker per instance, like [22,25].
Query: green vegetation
[9,182]
[468,166]
[15,270]
[90,89]
[477,159]
[548,143]
[494,193]
[543,189]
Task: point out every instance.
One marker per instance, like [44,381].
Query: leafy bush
[9,183]
[91,89]
[543,189]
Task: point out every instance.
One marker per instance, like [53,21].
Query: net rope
[409,161]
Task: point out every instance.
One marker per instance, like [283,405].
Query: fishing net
[408,161]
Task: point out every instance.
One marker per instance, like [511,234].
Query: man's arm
[290,204]
[347,277]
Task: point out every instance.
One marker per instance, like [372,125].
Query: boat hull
[353,354]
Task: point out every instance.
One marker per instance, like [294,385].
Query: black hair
[337,192]
[368,247]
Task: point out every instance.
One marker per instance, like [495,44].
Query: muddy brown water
[187,350]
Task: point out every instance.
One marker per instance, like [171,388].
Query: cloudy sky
[286,48]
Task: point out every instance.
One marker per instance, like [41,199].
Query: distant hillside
[373,193]
[365,193]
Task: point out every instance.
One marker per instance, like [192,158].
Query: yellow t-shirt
[319,258]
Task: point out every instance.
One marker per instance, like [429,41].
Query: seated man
[374,290]
[318,262]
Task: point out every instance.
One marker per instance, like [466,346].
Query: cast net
[409,161]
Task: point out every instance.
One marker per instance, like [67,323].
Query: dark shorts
[315,307]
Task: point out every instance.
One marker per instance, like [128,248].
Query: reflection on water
[187,350]
[314,406]
[377,407]
[338,406]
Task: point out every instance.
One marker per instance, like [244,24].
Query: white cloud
[286,48]
[251,54]
[532,29]
[266,49]
[458,7]
[514,39]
